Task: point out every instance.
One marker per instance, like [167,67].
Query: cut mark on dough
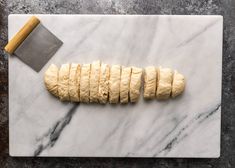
[57,82]
[68,81]
[78,80]
[129,98]
[173,75]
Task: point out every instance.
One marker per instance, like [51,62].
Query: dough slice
[63,84]
[125,84]
[104,83]
[114,83]
[178,84]
[74,79]
[150,79]
[94,81]
[135,84]
[84,83]
[165,77]
[51,79]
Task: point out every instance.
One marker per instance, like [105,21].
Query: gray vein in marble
[199,118]
[123,122]
[147,47]
[197,33]
[123,135]
[49,139]
[90,32]
[163,138]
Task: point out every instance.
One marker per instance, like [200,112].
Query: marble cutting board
[188,126]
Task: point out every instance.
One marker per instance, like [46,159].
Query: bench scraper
[34,44]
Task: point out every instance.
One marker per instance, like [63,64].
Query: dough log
[51,79]
[178,84]
[150,79]
[104,83]
[94,81]
[125,84]
[63,83]
[114,83]
[74,82]
[101,83]
[135,84]
[164,80]
[84,83]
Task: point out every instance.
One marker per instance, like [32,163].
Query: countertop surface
[227,9]
[186,126]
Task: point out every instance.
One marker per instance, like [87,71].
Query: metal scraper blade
[38,47]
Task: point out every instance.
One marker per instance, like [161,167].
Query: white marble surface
[189,126]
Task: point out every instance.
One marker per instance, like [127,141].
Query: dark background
[180,7]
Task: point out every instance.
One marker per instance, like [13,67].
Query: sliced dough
[114,83]
[150,79]
[94,81]
[74,79]
[135,84]
[165,77]
[51,79]
[84,83]
[125,84]
[63,84]
[104,83]
[178,84]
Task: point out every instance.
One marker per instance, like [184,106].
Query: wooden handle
[21,35]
